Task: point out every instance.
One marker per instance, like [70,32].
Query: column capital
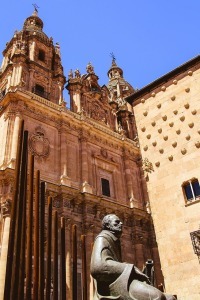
[6,208]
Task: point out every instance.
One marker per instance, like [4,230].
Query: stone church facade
[95,159]
[88,155]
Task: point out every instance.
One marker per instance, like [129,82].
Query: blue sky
[148,38]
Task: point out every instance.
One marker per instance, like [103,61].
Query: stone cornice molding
[58,113]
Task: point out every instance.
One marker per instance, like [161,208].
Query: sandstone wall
[168,125]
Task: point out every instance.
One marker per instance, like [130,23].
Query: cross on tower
[113,57]
[36,7]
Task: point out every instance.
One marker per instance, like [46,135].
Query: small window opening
[192,190]
[39,88]
[41,55]
[105,187]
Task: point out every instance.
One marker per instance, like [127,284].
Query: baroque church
[117,150]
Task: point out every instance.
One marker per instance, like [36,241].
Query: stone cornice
[62,113]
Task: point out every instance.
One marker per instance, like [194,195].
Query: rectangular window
[191,190]
[41,55]
[105,187]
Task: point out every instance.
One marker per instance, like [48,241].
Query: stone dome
[33,23]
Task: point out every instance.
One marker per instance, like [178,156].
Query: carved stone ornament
[6,208]
[147,167]
[39,143]
[104,153]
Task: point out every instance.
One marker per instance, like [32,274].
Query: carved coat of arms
[39,143]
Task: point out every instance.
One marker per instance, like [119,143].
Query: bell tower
[33,63]
[119,90]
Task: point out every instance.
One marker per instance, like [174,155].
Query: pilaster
[86,188]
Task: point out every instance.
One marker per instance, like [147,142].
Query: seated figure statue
[113,278]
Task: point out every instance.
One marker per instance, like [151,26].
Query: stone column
[89,244]
[9,81]
[15,136]
[31,79]
[75,95]
[5,211]
[13,76]
[128,179]
[8,145]
[63,158]
[68,258]
[84,165]
[60,93]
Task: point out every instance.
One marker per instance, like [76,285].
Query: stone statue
[113,278]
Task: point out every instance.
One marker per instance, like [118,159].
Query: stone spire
[117,85]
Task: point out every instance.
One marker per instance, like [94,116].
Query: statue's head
[112,223]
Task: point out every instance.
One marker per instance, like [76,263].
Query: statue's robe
[117,280]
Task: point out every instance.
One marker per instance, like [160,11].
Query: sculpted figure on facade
[113,278]
[90,68]
[77,73]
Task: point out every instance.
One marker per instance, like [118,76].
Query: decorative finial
[113,58]
[90,68]
[70,75]
[77,73]
[36,8]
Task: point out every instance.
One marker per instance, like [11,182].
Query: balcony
[39,90]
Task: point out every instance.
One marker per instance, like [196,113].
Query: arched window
[191,190]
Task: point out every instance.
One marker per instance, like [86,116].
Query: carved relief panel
[39,144]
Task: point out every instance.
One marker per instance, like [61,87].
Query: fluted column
[5,211]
